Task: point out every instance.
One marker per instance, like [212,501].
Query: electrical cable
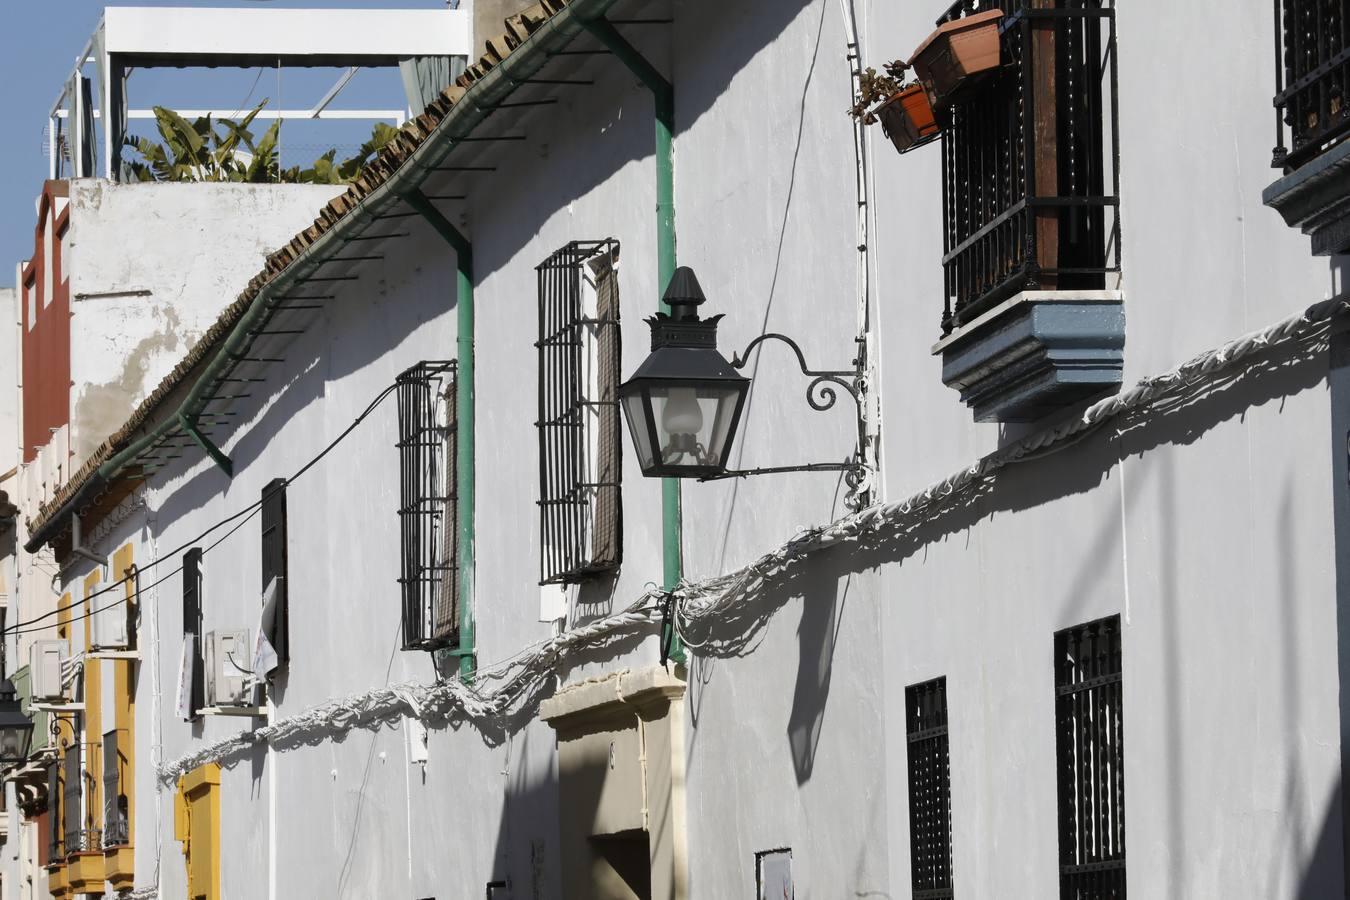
[249,511]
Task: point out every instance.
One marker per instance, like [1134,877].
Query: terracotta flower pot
[959,55]
[907,118]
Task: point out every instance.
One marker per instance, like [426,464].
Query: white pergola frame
[145,37]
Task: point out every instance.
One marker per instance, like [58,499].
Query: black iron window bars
[429,573]
[1090,757]
[1030,161]
[1312,78]
[930,790]
[580,449]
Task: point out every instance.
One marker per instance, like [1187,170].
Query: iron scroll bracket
[820,396]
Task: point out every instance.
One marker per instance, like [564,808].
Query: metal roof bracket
[217,455]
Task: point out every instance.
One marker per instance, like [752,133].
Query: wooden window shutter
[274,561]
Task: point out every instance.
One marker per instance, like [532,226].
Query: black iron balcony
[1030,163]
[1312,119]
[115,833]
[1032,318]
[86,840]
[1312,66]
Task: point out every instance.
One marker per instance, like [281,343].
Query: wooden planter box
[908,118]
[959,55]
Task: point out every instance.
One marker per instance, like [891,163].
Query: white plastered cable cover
[499,689]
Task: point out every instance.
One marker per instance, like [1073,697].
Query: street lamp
[16,729]
[684,402]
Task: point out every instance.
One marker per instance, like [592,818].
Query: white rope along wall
[501,688]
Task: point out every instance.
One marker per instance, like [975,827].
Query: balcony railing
[1030,161]
[1312,71]
[115,834]
[86,840]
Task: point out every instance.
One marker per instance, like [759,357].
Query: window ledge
[1036,353]
[1315,198]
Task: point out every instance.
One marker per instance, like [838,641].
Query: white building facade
[1091,642]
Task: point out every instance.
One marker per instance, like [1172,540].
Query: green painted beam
[663,101]
[464,412]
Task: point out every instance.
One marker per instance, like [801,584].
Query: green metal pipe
[464,414]
[663,101]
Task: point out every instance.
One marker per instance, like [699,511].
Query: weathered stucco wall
[150,267]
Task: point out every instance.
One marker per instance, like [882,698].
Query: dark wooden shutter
[70,800]
[274,560]
[192,627]
[114,829]
[54,811]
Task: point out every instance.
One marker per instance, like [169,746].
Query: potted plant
[960,54]
[904,110]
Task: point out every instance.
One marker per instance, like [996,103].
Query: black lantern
[684,402]
[16,729]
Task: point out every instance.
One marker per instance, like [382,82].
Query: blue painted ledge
[1316,198]
[1036,353]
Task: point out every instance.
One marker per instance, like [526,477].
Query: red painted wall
[46,338]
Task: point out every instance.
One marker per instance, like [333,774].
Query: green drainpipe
[663,99]
[464,441]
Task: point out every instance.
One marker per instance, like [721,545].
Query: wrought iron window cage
[1031,160]
[429,572]
[580,444]
[1090,758]
[1312,78]
[930,790]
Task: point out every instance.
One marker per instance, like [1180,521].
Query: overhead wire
[248,511]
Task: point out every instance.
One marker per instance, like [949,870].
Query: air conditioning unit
[111,627]
[44,664]
[228,677]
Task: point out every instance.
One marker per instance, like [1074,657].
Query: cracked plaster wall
[151,267]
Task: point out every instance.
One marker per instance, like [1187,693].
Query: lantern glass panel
[635,410]
[11,742]
[693,423]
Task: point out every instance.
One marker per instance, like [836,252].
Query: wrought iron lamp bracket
[820,396]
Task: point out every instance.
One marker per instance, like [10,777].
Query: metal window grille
[580,450]
[274,563]
[114,799]
[1090,757]
[429,574]
[192,628]
[1030,161]
[1312,71]
[930,790]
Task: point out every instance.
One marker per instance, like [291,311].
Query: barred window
[1090,756]
[580,454]
[427,522]
[1030,165]
[930,790]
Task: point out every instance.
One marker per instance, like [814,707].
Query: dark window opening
[277,626]
[930,790]
[1312,74]
[1030,163]
[1090,757]
[428,525]
[580,448]
[192,632]
[114,800]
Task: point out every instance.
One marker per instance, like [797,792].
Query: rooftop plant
[221,149]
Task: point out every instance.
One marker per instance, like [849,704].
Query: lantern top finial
[683,294]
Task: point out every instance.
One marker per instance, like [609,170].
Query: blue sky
[38,46]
